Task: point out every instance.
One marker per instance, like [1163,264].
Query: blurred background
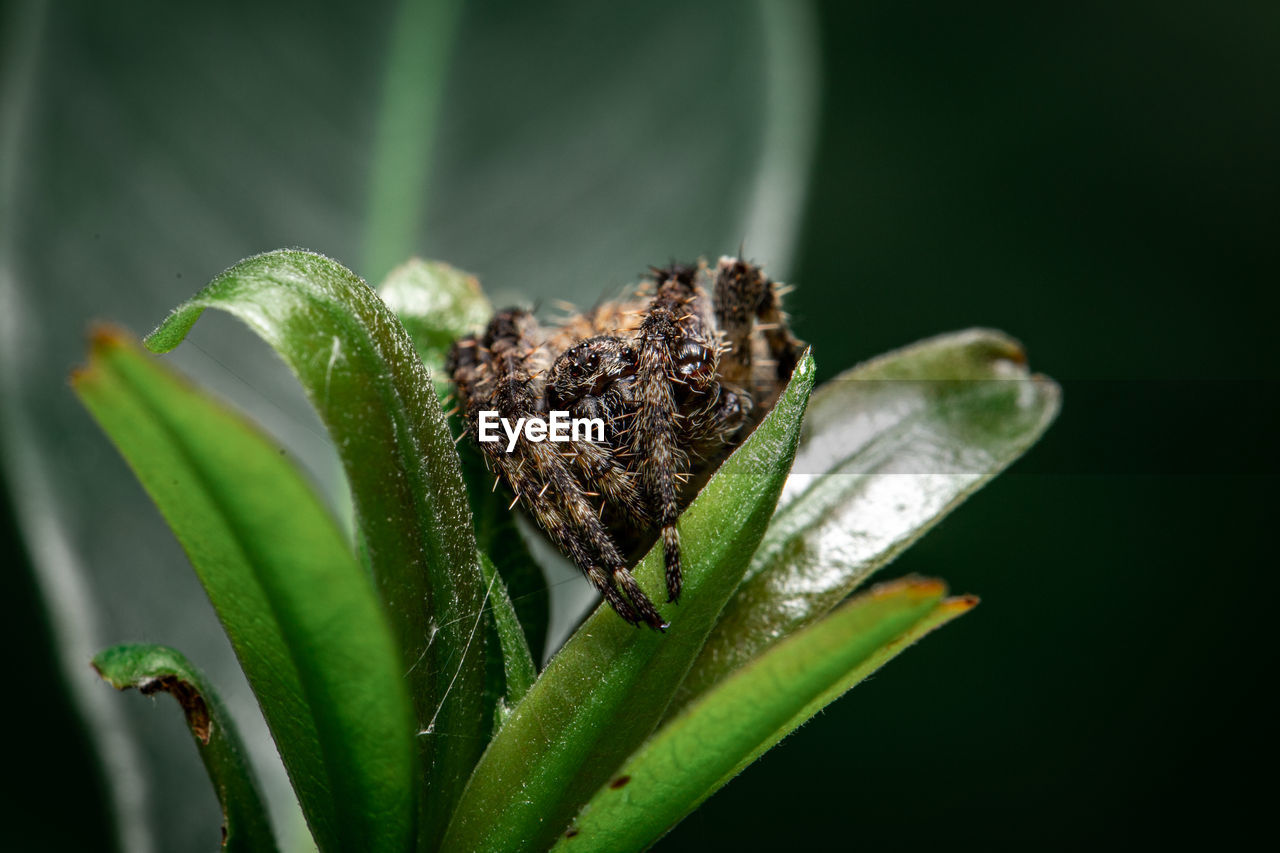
[1100,180]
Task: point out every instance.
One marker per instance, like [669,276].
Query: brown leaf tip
[1017,355]
[105,336]
[959,604]
[911,584]
[1002,347]
[193,705]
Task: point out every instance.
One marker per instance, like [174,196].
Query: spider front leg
[541,476]
[671,331]
[592,380]
[497,372]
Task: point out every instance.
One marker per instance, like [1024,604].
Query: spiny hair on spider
[680,370]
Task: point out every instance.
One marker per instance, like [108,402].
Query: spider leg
[654,435]
[543,479]
[598,465]
[743,295]
[540,474]
[712,430]
[558,527]
[591,379]
[585,538]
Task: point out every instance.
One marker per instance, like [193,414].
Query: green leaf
[301,613]
[498,536]
[359,369]
[734,723]
[437,305]
[604,692]
[290,161]
[152,669]
[888,449]
[516,672]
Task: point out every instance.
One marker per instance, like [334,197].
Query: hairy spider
[678,377]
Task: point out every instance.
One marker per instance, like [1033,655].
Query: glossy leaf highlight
[889,448]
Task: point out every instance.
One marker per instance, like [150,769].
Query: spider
[679,372]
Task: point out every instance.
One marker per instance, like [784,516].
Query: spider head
[590,368]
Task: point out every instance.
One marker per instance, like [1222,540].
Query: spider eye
[696,365]
[690,367]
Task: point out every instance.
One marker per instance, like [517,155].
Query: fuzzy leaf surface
[437,303]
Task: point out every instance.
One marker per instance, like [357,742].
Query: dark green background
[1100,180]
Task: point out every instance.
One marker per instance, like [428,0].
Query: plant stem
[791,111]
[412,93]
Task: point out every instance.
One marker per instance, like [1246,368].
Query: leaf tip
[959,604]
[806,367]
[999,346]
[173,328]
[80,375]
[152,669]
[1051,390]
[98,669]
[911,586]
[104,339]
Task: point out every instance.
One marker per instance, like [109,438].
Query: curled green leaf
[359,369]
[301,613]
[159,669]
[437,304]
